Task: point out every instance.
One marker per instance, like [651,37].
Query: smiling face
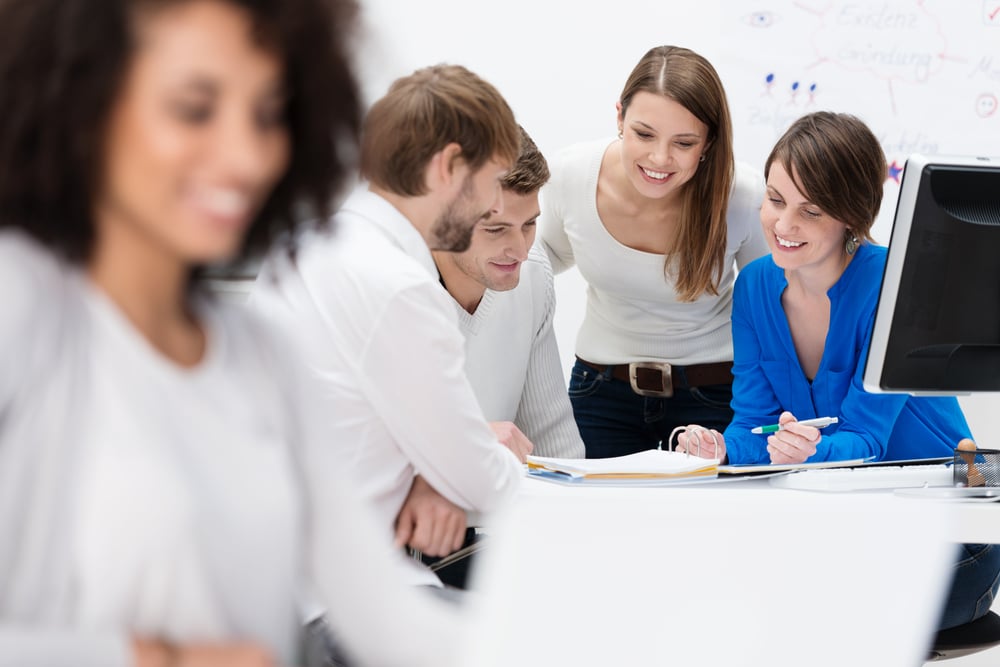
[661,145]
[196,139]
[799,233]
[499,245]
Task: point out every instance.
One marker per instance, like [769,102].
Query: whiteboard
[925,75]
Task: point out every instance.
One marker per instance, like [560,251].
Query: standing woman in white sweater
[657,221]
[159,468]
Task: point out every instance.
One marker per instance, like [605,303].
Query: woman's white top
[141,498]
[187,509]
[633,313]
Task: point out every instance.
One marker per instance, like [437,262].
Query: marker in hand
[819,422]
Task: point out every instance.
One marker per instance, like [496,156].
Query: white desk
[969,522]
[975,523]
[737,573]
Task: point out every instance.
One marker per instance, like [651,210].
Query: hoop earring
[621,134]
[851,244]
[702,158]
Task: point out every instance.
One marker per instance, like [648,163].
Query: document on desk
[869,478]
[754,468]
[651,466]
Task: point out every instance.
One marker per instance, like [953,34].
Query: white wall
[925,75]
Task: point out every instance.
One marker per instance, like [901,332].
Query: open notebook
[643,467]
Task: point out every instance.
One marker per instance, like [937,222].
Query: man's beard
[452,231]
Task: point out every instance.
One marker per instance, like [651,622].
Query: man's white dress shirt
[379,333]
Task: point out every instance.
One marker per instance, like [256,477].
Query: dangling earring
[621,133]
[851,244]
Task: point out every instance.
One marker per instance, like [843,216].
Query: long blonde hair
[699,249]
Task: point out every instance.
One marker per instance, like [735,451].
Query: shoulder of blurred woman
[19,250]
[31,278]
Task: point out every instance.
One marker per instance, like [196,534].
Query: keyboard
[866,478]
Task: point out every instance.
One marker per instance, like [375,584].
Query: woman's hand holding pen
[700,441]
[794,443]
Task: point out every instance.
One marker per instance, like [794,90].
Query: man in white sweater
[378,331]
[505,300]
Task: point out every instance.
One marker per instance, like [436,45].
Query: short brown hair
[424,112]
[690,80]
[62,63]
[530,172]
[837,163]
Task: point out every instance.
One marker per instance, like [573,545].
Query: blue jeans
[615,421]
[974,585]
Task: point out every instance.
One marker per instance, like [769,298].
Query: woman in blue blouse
[802,320]
[802,317]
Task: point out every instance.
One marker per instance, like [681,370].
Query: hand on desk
[794,443]
[153,653]
[704,442]
[429,522]
[511,437]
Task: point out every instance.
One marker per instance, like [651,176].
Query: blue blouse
[769,378]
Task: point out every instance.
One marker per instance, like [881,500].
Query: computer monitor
[937,325]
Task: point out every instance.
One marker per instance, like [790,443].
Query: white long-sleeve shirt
[633,313]
[512,361]
[380,335]
[140,498]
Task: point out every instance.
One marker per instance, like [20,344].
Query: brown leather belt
[659,378]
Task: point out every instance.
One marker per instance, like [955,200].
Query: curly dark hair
[62,64]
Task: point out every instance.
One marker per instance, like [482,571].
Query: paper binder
[651,466]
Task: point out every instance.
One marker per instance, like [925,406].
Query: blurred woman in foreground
[157,473]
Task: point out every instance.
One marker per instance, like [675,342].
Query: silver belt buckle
[666,383]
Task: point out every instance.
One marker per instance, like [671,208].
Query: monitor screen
[937,325]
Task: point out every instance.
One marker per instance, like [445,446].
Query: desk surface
[969,522]
[736,573]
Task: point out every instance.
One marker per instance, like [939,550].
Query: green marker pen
[819,422]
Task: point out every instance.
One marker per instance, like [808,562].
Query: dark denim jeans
[615,421]
[974,585]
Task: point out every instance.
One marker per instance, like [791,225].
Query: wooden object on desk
[975,478]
